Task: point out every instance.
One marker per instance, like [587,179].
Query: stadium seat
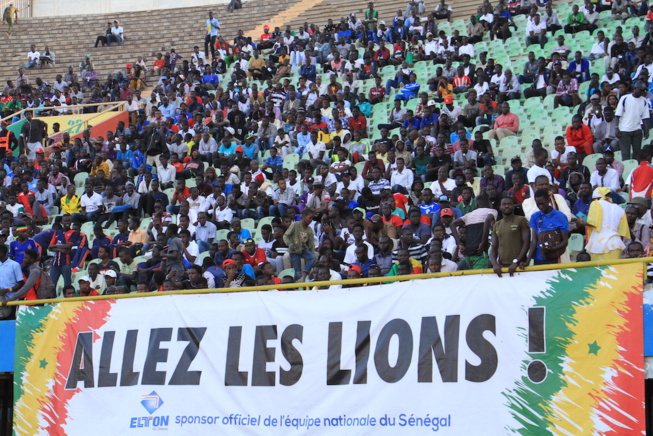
[576,242]
[290,272]
[221,234]
[629,166]
[248,223]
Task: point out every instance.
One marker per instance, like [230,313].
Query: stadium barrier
[556,350]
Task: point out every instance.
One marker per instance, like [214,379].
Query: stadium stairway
[73,37]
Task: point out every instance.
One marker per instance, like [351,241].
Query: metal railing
[24,7]
[369,280]
[80,126]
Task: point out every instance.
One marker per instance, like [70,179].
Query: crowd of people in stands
[254,157]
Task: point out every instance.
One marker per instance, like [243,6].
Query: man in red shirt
[358,121]
[580,136]
[253,255]
[382,55]
[378,92]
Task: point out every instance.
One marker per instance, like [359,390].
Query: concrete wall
[50,8]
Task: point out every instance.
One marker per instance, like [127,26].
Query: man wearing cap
[33,132]
[632,117]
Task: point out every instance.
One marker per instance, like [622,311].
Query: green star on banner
[593,348]
[43,363]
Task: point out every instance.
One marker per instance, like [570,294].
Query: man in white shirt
[32,57]
[165,173]
[316,151]
[117,33]
[647,64]
[198,58]
[632,117]
[536,32]
[91,203]
[466,49]
[541,156]
[431,47]
[604,176]
[402,176]
[207,147]
[509,87]
[486,18]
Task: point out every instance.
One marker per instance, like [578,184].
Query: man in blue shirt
[582,205]
[409,90]
[210,80]
[212,28]
[546,219]
[274,162]
[308,70]
[11,276]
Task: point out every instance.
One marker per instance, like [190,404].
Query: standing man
[632,117]
[212,28]
[477,224]
[61,246]
[301,245]
[10,17]
[510,239]
[546,219]
[33,132]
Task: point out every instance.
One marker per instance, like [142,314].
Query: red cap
[448,100]
[39,150]
[228,262]
[446,212]
[260,177]
[128,66]
[356,268]
[239,148]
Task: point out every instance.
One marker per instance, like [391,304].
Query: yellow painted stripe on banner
[36,381]
[591,354]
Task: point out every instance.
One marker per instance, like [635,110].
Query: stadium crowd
[267,162]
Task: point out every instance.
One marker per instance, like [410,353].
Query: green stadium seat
[248,223]
[629,166]
[576,242]
[290,272]
[221,234]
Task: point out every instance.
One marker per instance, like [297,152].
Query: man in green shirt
[576,21]
[300,240]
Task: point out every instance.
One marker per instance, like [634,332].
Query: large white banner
[461,355]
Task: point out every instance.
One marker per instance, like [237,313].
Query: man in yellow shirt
[71,203]
[10,17]
[100,165]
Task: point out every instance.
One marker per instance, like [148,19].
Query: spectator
[507,124]
[117,35]
[510,239]
[632,118]
[549,232]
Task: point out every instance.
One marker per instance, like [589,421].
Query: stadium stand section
[421,207]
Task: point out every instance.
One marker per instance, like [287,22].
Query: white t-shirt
[449,185]
[632,111]
[92,203]
[563,158]
[610,179]
[315,149]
